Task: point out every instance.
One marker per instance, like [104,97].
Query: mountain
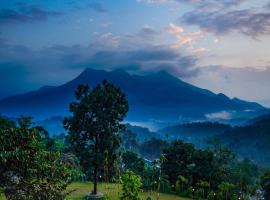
[197,133]
[157,97]
[251,141]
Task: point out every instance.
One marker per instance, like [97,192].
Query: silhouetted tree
[94,125]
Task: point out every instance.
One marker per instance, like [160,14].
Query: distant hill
[197,133]
[251,141]
[54,126]
[157,97]
[142,132]
[259,118]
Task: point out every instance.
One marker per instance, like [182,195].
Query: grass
[2,196]
[80,190]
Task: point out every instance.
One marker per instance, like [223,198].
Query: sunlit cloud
[185,38]
[108,39]
[172,28]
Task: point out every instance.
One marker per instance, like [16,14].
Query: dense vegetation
[29,169]
[34,165]
[195,130]
[255,136]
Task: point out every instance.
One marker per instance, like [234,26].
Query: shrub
[149,198]
[199,193]
[211,195]
[131,186]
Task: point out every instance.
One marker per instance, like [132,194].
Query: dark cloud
[25,13]
[144,60]
[148,32]
[13,79]
[48,65]
[152,55]
[247,22]
[202,3]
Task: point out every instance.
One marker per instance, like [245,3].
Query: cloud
[249,83]
[146,36]
[144,61]
[153,55]
[247,22]
[172,28]
[105,24]
[184,38]
[148,31]
[15,77]
[25,13]
[47,66]
[199,3]
[155,1]
[219,115]
[108,39]
[222,17]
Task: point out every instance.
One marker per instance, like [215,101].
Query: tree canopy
[94,126]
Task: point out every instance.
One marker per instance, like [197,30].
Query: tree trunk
[182,187]
[95,177]
[96,167]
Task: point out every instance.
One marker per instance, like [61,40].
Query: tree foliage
[96,119]
[266,184]
[131,186]
[27,170]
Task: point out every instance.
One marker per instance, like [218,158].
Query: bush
[211,195]
[149,198]
[220,196]
[199,193]
[131,186]
[190,192]
[165,186]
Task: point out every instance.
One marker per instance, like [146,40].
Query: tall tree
[178,160]
[133,162]
[94,125]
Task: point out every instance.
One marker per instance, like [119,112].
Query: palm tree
[204,185]
[183,181]
[225,188]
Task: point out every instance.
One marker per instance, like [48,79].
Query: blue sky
[221,45]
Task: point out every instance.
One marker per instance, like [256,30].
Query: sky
[220,45]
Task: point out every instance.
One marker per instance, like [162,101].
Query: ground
[79,190]
[111,190]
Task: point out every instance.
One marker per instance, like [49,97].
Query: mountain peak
[163,73]
[120,71]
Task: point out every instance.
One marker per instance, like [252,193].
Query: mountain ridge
[156,96]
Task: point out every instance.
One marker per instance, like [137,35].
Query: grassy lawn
[112,190]
[2,197]
[80,190]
